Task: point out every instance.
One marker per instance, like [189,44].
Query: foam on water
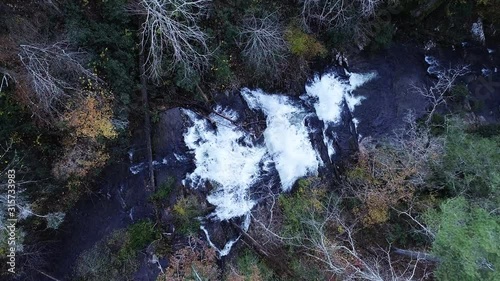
[331,91]
[286,136]
[328,141]
[226,158]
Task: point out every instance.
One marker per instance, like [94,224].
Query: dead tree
[328,240]
[437,93]
[325,13]
[147,120]
[368,7]
[340,253]
[56,74]
[263,43]
[416,149]
[171,29]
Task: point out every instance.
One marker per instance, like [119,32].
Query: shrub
[303,44]
[186,211]
[197,261]
[79,158]
[107,34]
[222,71]
[92,118]
[384,37]
[138,236]
[249,267]
[163,191]
[303,204]
[459,92]
[101,263]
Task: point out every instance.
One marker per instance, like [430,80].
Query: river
[255,142]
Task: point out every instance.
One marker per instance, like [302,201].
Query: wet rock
[388,97]
[168,133]
[169,147]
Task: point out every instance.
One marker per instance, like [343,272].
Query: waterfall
[235,162]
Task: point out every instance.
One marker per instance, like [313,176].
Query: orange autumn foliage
[196,261]
[92,119]
[89,121]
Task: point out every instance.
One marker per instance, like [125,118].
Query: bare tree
[389,172]
[171,27]
[416,149]
[55,74]
[422,228]
[338,250]
[264,46]
[368,7]
[326,13]
[436,94]
[4,82]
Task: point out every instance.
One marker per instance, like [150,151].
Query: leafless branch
[425,229]
[416,149]
[56,74]
[436,94]
[264,46]
[171,27]
[325,13]
[340,252]
[369,7]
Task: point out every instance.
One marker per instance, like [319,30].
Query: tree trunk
[147,120]
[280,266]
[416,255]
[47,275]
[427,8]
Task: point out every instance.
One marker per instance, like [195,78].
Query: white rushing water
[234,162]
[227,158]
[286,136]
[331,91]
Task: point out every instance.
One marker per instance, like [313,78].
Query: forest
[84,83]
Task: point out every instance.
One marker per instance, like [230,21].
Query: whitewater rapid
[234,161]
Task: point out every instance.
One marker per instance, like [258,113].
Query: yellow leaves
[380,180]
[89,121]
[179,207]
[16,138]
[92,119]
[377,209]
